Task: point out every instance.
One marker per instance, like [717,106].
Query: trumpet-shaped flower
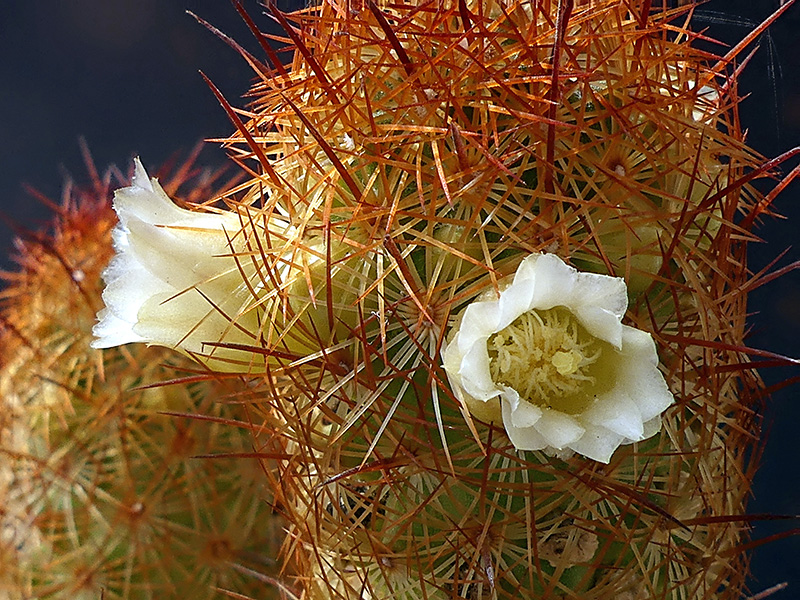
[174,279]
[552,359]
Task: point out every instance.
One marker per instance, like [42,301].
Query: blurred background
[123,75]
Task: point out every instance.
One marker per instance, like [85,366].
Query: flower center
[549,358]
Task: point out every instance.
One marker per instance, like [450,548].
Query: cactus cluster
[406,173]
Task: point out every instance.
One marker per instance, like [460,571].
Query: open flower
[174,280]
[215,285]
[552,356]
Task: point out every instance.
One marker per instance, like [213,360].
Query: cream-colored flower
[552,356]
[174,280]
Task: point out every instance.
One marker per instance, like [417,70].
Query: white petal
[145,201]
[526,438]
[616,412]
[479,322]
[643,381]
[128,286]
[140,178]
[187,320]
[639,345]
[474,374]
[163,256]
[651,427]
[451,359]
[599,302]
[597,443]
[525,415]
[558,429]
[601,323]
[603,291]
[513,302]
[527,268]
[180,258]
[629,411]
[555,281]
[112,331]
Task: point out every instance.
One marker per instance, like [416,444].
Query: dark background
[123,74]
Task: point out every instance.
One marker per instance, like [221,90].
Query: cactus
[101,493]
[432,148]
[482,300]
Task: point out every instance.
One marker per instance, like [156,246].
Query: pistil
[548,357]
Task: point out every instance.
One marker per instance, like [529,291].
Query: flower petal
[479,322]
[601,323]
[513,302]
[523,438]
[597,443]
[555,281]
[602,291]
[189,320]
[140,178]
[644,382]
[180,258]
[112,331]
[146,200]
[173,279]
[128,286]
[477,380]
[525,415]
[559,429]
[617,412]
[651,427]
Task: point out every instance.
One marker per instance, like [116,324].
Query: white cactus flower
[174,280]
[552,359]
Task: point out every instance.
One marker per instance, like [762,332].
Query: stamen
[547,357]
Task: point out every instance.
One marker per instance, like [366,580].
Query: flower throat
[549,358]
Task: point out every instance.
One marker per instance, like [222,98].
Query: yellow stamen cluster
[548,358]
